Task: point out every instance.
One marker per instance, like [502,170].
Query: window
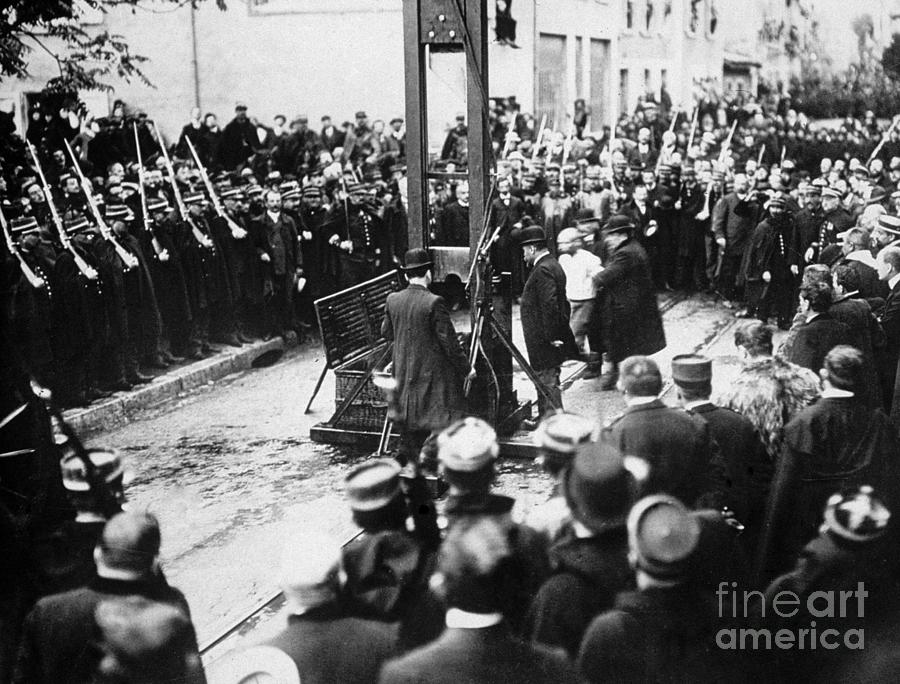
[713,17]
[648,16]
[599,84]
[579,67]
[552,95]
[623,90]
[629,14]
[646,80]
[694,16]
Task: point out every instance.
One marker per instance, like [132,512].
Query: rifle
[759,157]
[727,144]
[884,139]
[202,239]
[237,232]
[107,501]
[87,271]
[161,253]
[33,278]
[540,136]
[510,130]
[128,259]
[690,141]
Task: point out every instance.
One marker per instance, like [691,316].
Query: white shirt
[863,256]
[691,405]
[835,393]
[580,269]
[274,216]
[637,401]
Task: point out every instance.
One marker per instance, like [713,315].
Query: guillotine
[452,26]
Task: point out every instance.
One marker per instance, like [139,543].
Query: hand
[90,273]
[307,235]
[767,276]
[207,243]
[795,269]
[265,257]
[163,255]
[334,240]
[677,205]
[347,246]
[556,343]
[808,255]
[721,242]
[651,228]
[39,283]
[238,233]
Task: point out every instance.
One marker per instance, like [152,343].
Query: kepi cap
[468,445]
[373,484]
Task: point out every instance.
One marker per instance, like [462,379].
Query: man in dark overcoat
[631,321]
[429,364]
[506,211]
[676,446]
[278,251]
[545,318]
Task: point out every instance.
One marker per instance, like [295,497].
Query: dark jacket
[59,635]
[479,655]
[865,334]
[429,364]
[835,444]
[631,322]
[734,220]
[587,575]
[815,338]
[655,635]
[746,465]
[330,647]
[674,444]
[545,315]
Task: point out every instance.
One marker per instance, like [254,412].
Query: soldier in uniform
[358,234]
[835,219]
[319,260]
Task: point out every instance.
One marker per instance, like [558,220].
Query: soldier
[243,268]
[358,233]
[321,267]
[835,219]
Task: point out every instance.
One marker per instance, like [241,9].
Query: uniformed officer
[358,233]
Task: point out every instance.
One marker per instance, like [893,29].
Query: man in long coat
[631,321]
[545,318]
[429,364]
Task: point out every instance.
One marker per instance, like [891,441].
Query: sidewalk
[121,407]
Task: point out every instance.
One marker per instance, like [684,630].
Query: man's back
[327,647]
[479,655]
[674,444]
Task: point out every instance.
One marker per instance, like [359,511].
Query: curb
[121,407]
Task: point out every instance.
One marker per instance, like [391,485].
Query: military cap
[533,235]
[130,187]
[777,201]
[273,176]
[231,193]
[289,185]
[788,165]
[895,194]
[468,445]
[598,488]
[530,175]
[65,177]
[688,171]
[691,370]
[860,516]
[361,115]
[311,191]
[160,204]
[396,119]
[569,168]
[620,223]
[373,484]
[76,224]
[708,138]
[193,198]
[636,166]
[665,168]
[662,535]
[107,465]
[834,193]
[515,155]
[23,225]
[240,106]
[356,188]
[890,224]
[563,432]
[291,195]
[118,211]
[300,118]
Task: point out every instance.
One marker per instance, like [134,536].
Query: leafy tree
[890,58]
[86,59]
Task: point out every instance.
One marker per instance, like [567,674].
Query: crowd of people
[661,520]
[692,543]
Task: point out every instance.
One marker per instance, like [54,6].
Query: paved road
[232,475]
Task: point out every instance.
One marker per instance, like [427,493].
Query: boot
[244,338]
[138,378]
[609,379]
[157,362]
[170,358]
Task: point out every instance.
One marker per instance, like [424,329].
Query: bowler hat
[598,487]
[416,258]
[373,484]
[620,223]
[533,235]
[691,370]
